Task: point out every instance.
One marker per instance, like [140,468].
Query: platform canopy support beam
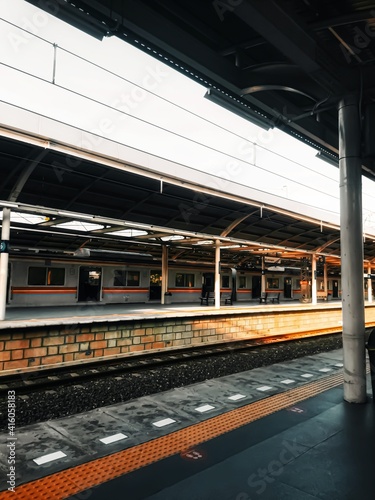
[314,299]
[164,272]
[217,274]
[369,285]
[325,279]
[263,279]
[4,259]
[352,250]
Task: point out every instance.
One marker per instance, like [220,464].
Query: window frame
[125,278]
[185,280]
[47,271]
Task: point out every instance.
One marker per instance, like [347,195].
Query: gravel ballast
[69,398]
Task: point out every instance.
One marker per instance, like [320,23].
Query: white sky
[138,101]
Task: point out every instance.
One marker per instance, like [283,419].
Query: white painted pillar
[263,279]
[369,285]
[325,279]
[164,272]
[314,299]
[217,274]
[4,259]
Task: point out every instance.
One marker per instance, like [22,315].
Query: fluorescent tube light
[239,108]
[329,158]
[8,204]
[73,215]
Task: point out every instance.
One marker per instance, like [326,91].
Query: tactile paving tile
[71,481]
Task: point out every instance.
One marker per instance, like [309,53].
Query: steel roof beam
[278,27]
[48,211]
[151,26]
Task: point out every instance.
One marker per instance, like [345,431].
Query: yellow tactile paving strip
[86,476]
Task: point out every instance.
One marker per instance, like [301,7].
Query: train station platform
[277,432]
[24,317]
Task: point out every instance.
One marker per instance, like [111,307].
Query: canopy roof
[283,63]
[62,204]
[286,63]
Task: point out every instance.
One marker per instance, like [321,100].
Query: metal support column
[313,279]
[263,279]
[352,250]
[369,285]
[325,279]
[164,272]
[4,259]
[217,274]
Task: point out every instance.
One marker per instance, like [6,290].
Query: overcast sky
[135,99]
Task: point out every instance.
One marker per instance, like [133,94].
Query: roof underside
[187,221]
[290,61]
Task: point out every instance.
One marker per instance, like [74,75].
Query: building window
[50,276]
[225,281]
[132,278]
[126,278]
[272,283]
[184,280]
[120,278]
[55,276]
[242,282]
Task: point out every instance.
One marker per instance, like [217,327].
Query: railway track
[52,393]
[73,373]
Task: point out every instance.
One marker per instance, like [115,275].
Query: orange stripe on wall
[125,290]
[46,290]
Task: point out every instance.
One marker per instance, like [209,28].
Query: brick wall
[24,348]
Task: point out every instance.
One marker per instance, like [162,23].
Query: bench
[321,295]
[274,297]
[269,296]
[227,298]
[207,297]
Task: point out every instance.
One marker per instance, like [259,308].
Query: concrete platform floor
[273,433]
[19,317]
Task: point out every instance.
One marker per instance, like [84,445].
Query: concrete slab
[148,418]
[41,440]
[89,428]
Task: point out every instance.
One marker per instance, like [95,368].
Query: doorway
[287,288]
[89,284]
[256,287]
[155,284]
[9,282]
[208,283]
[335,289]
